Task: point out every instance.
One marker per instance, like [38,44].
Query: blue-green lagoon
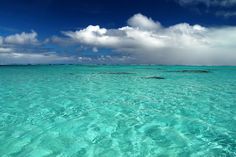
[113,111]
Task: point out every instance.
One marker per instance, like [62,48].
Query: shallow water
[104,111]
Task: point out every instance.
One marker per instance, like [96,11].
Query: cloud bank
[32,58]
[12,46]
[151,43]
[142,41]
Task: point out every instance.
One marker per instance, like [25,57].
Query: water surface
[104,111]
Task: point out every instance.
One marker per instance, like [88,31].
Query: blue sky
[195,32]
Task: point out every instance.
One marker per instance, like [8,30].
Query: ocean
[113,111]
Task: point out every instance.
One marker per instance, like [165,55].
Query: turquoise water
[112,111]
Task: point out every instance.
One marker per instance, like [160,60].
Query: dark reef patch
[153,77]
[150,68]
[191,71]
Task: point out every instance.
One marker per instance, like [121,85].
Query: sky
[165,32]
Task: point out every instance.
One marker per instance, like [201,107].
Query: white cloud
[59,41]
[106,59]
[143,41]
[1,40]
[226,14]
[142,22]
[33,58]
[11,51]
[93,34]
[177,44]
[209,3]
[94,49]
[221,8]
[5,50]
[22,39]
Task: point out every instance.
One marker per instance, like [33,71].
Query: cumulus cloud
[142,22]
[93,34]
[150,43]
[22,38]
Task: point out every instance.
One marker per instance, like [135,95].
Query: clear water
[76,111]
